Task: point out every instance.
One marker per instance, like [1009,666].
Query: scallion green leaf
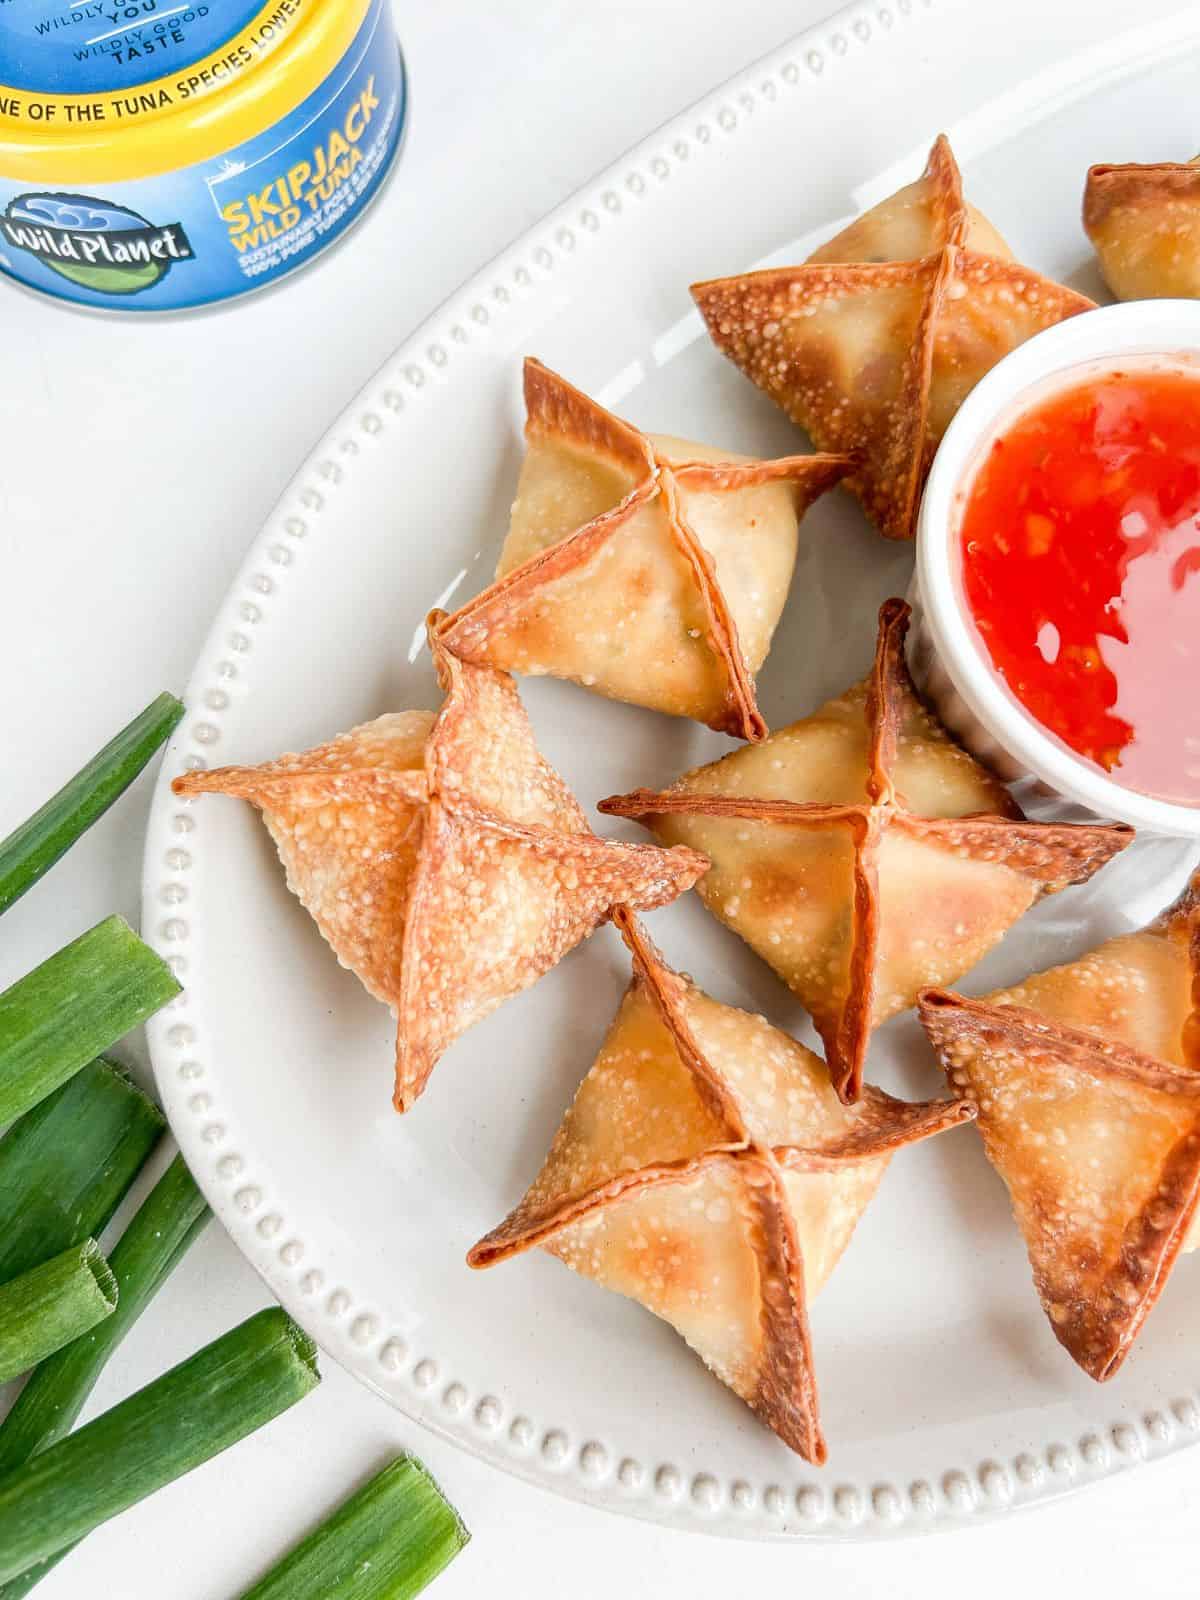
[173,1214]
[65,1165]
[33,848]
[210,1401]
[386,1542]
[51,1304]
[31,1577]
[78,1002]
[169,1219]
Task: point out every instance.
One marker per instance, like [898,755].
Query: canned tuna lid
[157,154]
[112,99]
[86,46]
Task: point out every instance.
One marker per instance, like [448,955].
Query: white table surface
[138,460]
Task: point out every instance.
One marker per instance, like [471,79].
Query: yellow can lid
[82,99]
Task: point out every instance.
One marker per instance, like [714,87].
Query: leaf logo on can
[104,247]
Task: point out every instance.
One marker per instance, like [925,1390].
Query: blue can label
[223,226]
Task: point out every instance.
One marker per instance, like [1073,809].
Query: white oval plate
[944,1394]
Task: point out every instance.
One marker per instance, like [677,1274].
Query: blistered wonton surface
[873,344]
[1087,1083]
[861,851]
[647,568]
[707,1170]
[1144,223]
[446,863]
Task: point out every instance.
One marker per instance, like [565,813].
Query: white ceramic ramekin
[949,661]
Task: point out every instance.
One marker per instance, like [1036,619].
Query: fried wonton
[447,863]
[1144,224]
[875,342]
[707,1170]
[863,854]
[1087,1083]
[647,568]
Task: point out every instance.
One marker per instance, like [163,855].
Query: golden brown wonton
[650,569]
[707,1170]
[861,852]
[445,861]
[1087,1083]
[1144,223]
[875,342]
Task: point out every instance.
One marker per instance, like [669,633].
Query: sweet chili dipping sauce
[1080,547]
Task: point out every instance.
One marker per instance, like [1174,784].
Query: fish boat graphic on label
[102,246]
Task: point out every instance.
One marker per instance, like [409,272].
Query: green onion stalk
[386,1542]
[58,1017]
[33,848]
[216,1397]
[66,1165]
[171,1217]
[51,1304]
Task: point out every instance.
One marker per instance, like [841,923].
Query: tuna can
[160,154]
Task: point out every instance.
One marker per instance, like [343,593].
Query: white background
[139,458]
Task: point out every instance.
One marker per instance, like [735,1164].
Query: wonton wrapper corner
[707,1170]
[861,851]
[443,859]
[873,344]
[1086,1078]
[650,569]
[1144,224]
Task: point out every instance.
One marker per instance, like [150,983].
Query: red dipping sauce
[1080,549]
